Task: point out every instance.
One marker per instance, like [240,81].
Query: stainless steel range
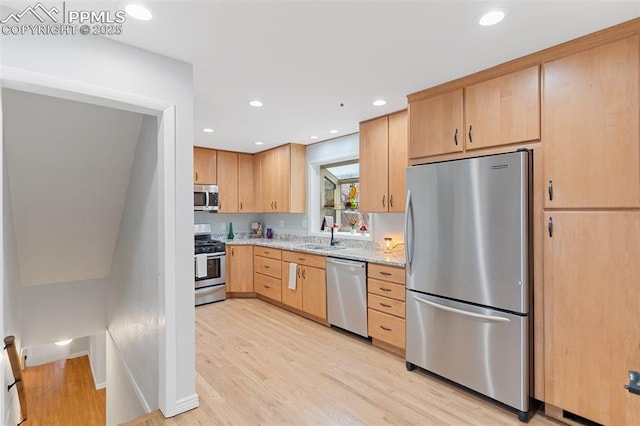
[209,266]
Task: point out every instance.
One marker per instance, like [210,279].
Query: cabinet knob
[383,198]
[196,176]
[550,188]
[391,200]
[470,138]
[550,226]
[455,137]
[240,205]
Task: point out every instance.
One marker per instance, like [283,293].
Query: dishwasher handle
[345,262]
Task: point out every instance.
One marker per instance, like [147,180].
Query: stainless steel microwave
[205,198]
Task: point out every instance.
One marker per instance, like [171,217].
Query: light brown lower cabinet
[310,294]
[592,313]
[386,305]
[267,272]
[239,269]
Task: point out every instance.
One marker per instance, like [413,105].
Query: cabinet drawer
[386,305]
[267,286]
[387,273]
[304,259]
[387,328]
[386,289]
[267,252]
[271,267]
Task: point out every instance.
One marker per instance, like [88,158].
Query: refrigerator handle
[492,318]
[408,232]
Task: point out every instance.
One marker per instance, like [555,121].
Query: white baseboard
[78,354]
[187,403]
[102,385]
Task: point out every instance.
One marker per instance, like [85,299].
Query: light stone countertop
[395,258]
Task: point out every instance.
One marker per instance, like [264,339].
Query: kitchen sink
[321,247]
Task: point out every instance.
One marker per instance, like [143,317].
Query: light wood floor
[62,393]
[258,364]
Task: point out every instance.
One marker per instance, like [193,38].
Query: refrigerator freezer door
[467,230]
[482,349]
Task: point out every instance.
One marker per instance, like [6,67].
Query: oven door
[215,270]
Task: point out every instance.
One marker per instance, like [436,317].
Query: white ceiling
[68,165]
[305,58]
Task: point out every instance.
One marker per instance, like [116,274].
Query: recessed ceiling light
[207,130]
[313,137]
[379,102]
[256,104]
[64,342]
[491,17]
[138,12]
[259,143]
[333,131]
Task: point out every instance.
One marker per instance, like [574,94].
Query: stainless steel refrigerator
[468,296]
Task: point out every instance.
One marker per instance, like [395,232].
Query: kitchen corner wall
[282,223]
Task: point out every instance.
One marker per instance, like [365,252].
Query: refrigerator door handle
[491,318]
[408,233]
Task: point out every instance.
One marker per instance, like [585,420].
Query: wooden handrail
[9,345]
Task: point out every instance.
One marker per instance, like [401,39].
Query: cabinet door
[291,297]
[374,166]
[239,269]
[436,126]
[247,194]
[590,127]
[204,166]
[397,161]
[282,178]
[503,110]
[257,181]
[267,171]
[298,179]
[592,316]
[228,181]
[314,291]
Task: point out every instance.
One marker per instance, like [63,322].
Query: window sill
[344,235]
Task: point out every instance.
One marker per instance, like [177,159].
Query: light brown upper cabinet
[503,110]
[228,181]
[591,129]
[204,166]
[383,163]
[437,125]
[283,183]
[247,193]
[499,111]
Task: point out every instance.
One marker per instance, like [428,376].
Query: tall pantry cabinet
[591,148]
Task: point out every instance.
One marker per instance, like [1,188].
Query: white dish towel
[293,269]
[201,265]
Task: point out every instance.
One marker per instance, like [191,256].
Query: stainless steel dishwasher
[347,295]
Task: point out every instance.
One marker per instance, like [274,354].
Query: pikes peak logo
[68,22]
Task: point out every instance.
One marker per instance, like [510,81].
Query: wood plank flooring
[62,393]
[258,364]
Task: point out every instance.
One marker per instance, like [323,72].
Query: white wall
[122,401]
[98,359]
[134,321]
[63,311]
[10,300]
[111,72]
[79,347]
